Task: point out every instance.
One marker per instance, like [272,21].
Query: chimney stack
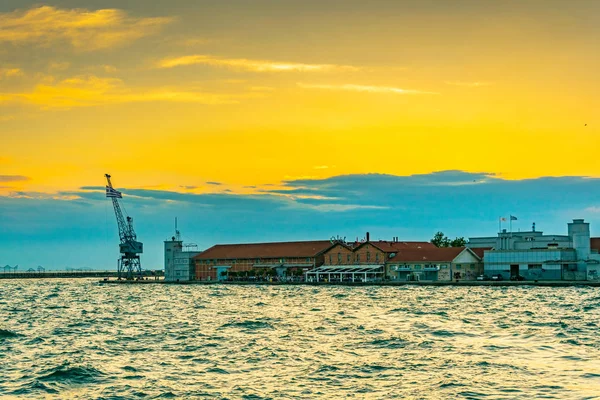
[368,237]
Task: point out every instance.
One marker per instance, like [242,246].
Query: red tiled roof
[479,250]
[393,247]
[595,243]
[265,250]
[445,254]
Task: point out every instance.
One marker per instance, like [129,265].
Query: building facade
[535,256]
[359,261]
[282,259]
[179,262]
[435,264]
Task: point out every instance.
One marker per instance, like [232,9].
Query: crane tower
[129,265]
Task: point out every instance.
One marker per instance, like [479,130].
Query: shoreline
[420,283]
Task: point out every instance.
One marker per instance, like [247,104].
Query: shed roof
[265,250]
[442,254]
[595,243]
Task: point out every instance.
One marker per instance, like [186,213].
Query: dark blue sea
[77,339]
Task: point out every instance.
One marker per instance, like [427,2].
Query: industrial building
[532,255]
[360,261]
[283,258]
[435,264]
[179,259]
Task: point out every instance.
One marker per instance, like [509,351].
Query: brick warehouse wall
[205,269]
[342,255]
[369,254]
[338,255]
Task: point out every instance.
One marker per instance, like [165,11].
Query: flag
[512,218]
[110,192]
[502,219]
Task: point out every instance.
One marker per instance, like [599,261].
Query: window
[534,266]
[358,258]
[368,256]
[339,258]
[349,257]
[458,266]
[307,259]
[330,259]
[377,257]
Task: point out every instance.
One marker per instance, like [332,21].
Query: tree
[458,242]
[440,240]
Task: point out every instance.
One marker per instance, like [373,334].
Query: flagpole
[499,224]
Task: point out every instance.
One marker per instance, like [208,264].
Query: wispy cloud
[364,89]
[10,72]
[86,91]
[59,66]
[82,29]
[13,178]
[214,183]
[252,65]
[468,84]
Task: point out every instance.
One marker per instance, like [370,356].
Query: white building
[536,256]
[179,264]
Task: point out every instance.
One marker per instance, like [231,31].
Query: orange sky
[254,94]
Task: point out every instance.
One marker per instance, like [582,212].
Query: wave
[70,375]
[5,334]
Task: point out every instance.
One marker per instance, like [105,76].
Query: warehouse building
[359,261]
[283,259]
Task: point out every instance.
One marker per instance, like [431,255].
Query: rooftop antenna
[177,233]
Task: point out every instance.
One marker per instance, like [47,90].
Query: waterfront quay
[375,283]
[74,274]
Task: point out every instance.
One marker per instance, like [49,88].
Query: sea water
[78,339]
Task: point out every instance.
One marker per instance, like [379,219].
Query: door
[514,270]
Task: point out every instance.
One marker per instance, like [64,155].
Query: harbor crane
[129,265]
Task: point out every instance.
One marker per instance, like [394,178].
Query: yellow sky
[254,94]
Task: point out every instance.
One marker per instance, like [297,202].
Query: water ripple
[81,340]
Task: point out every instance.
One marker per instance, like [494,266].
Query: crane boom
[130,248]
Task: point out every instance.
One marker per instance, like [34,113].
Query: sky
[291,120]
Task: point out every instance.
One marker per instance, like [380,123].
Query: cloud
[59,66]
[468,84]
[214,183]
[412,207]
[86,91]
[13,178]
[252,65]
[10,72]
[81,29]
[109,69]
[364,89]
